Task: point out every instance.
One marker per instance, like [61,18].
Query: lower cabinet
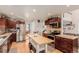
[8,45]
[11,39]
[66,45]
[5,47]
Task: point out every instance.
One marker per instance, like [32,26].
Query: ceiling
[33,12]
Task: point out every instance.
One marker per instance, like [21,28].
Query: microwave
[55,24]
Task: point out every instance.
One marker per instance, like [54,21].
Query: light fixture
[49,14]
[34,10]
[11,13]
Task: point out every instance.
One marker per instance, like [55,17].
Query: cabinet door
[2,23]
[14,37]
[8,45]
[64,45]
[12,24]
[67,45]
[57,42]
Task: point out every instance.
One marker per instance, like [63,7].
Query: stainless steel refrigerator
[20,32]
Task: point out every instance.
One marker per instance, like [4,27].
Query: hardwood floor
[55,51]
[23,47]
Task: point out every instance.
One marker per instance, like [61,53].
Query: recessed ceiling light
[34,10]
[49,14]
[11,13]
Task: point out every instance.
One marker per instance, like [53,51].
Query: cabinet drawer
[69,41]
[66,45]
[66,50]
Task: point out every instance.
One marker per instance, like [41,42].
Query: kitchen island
[5,40]
[39,42]
[66,43]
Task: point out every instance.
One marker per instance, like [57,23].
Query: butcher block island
[66,43]
[39,42]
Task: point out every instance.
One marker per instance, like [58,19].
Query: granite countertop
[68,36]
[4,37]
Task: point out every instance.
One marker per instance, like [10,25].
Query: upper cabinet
[55,22]
[6,23]
[3,22]
[51,20]
[11,24]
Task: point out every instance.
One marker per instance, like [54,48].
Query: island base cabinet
[66,45]
[0,49]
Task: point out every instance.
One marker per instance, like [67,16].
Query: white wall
[32,26]
[36,27]
[74,18]
[66,19]
[62,23]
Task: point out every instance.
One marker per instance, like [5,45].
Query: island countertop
[68,36]
[40,39]
[6,36]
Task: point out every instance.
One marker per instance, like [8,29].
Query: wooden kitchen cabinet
[11,24]
[10,40]
[66,45]
[3,23]
[13,37]
[1,49]
[8,44]
[7,24]
[53,20]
